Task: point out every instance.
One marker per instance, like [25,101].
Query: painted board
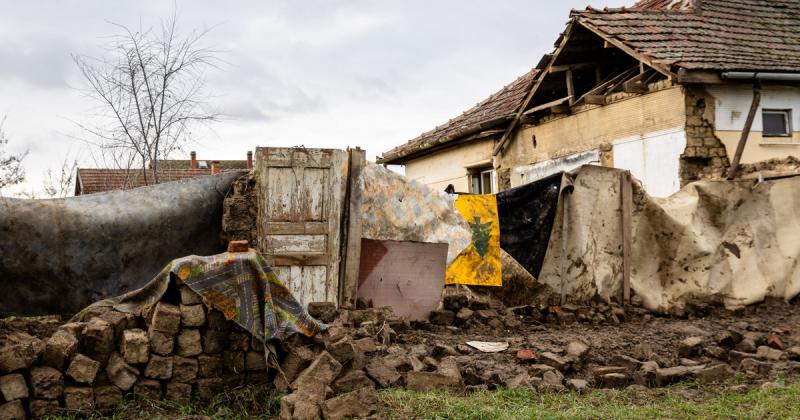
[406,276]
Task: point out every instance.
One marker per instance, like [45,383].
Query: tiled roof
[186,164]
[720,35]
[492,111]
[92,181]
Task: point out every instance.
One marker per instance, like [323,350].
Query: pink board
[406,276]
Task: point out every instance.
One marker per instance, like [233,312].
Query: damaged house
[664,89]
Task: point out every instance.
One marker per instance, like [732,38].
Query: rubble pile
[178,350]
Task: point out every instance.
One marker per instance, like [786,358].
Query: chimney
[249,159]
[214,167]
[193,164]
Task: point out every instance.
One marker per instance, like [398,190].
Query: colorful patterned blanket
[239,284]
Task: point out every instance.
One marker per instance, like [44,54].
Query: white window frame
[478,175]
[787,115]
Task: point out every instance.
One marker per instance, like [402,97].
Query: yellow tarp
[479,263]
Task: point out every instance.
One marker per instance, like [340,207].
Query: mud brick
[76,328]
[189,296]
[356,404]
[231,381]
[135,346]
[147,389]
[13,387]
[117,320]
[184,369]
[19,351]
[59,348]
[120,373]
[42,408]
[12,411]
[258,378]
[189,343]
[107,397]
[159,367]
[234,361]
[317,376]
[166,318]
[98,340]
[295,362]
[443,317]
[298,406]
[237,246]
[342,350]
[209,365]
[179,392]
[82,369]
[352,381]
[215,341]
[217,321]
[46,383]
[161,343]
[323,311]
[207,388]
[255,360]
[94,312]
[193,315]
[239,341]
[78,398]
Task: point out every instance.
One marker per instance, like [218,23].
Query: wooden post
[748,124]
[351,228]
[570,87]
[626,194]
[564,230]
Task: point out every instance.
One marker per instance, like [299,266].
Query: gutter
[745,75]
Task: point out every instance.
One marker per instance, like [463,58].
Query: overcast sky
[324,73]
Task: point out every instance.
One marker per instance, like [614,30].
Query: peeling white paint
[531,173]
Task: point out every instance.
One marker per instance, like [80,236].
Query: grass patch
[676,402]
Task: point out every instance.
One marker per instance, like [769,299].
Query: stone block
[59,348]
[207,388]
[120,373]
[19,351]
[159,367]
[189,296]
[316,377]
[13,387]
[161,343]
[714,374]
[239,341]
[357,404]
[46,383]
[179,392]
[78,398]
[43,408]
[189,343]
[217,321]
[83,369]
[12,411]
[184,369]
[255,360]
[214,341]
[234,361]
[209,365]
[298,407]
[382,373]
[117,320]
[135,346]
[193,315]
[343,350]
[98,340]
[107,397]
[166,318]
[147,389]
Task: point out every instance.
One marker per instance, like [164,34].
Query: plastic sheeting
[732,242]
[58,256]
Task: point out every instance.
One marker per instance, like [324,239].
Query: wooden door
[300,196]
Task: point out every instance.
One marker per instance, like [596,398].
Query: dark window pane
[775,124]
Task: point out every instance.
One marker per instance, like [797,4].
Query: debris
[488,347]
[83,369]
[357,404]
[714,374]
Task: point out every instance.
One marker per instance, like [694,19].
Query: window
[482,181]
[777,122]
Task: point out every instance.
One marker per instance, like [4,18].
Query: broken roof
[722,35]
[92,181]
[491,112]
[716,35]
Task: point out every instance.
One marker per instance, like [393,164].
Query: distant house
[663,89]
[90,181]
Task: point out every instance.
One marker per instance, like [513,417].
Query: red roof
[719,35]
[491,112]
[92,181]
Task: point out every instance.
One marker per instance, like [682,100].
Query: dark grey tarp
[58,256]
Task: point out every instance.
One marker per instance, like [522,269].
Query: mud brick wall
[240,211]
[178,351]
[705,156]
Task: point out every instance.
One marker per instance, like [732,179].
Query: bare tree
[60,184]
[150,94]
[11,170]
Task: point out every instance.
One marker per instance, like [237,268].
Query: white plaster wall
[654,159]
[732,103]
[530,173]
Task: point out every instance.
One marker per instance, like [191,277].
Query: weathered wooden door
[300,198]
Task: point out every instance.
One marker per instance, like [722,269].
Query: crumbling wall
[705,156]
[240,211]
[178,350]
